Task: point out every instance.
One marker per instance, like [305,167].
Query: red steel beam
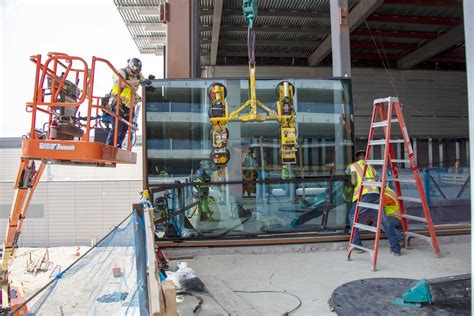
[454,60]
[414,19]
[428,3]
[403,46]
[394,33]
[375,56]
[457,49]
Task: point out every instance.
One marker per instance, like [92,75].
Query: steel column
[341,50]
[469,40]
[178,40]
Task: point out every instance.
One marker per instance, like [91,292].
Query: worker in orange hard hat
[134,77]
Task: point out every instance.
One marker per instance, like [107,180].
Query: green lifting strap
[249,8]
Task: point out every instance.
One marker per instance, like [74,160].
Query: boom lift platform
[63,85]
[219,114]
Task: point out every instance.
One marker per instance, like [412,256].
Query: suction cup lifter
[219,116]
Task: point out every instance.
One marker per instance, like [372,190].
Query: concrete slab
[312,272]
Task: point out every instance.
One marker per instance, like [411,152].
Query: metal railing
[59,70]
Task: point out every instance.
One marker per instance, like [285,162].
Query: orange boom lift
[64,85]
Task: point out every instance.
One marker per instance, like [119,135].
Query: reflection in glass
[255,194]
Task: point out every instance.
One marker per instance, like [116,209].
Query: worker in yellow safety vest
[370,195]
[132,74]
[392,210]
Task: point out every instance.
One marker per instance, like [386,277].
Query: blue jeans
[387,227]
[122,127]
[397,228]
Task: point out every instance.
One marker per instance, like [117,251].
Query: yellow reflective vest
[391,205]
[126,92]
[370,176]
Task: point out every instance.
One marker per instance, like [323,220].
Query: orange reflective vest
[369,176]
[391,205]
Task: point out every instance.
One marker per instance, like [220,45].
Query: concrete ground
[309,271]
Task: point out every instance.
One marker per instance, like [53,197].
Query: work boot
[396,254]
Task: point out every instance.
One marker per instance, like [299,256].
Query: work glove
[146,82]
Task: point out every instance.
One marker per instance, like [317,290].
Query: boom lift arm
[219,114]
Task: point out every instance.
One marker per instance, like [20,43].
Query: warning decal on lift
[56,146]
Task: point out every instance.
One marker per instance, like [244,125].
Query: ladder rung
[415,218]
[410,199]
[406,180]
[382,141]
[365,227]
[385,100]
[383,123]
[374,184]
[401,160]
[410,234]
[396,141]
[362,248]
[369,205]
[375,162]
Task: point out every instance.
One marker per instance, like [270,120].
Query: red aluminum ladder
[388,156]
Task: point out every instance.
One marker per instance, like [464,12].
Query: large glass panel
[255,194]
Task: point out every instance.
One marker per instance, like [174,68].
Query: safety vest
[205,179]
[391,205]
[369,175]
[126,92]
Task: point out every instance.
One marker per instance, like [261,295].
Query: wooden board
[230,301]
[155,297]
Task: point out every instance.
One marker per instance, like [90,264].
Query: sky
[83,28]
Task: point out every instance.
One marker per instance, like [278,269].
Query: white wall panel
[74,211]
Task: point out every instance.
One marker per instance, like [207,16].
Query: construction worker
[370,194]
[392,210]
[203,177]
[249,170]
[133,76]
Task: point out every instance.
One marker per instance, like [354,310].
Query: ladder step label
[369,205]
[415,218]
[375,162]
[383,123]
[401,160]
[383,141]
[410,199]
[369,183]
[407,180]
[365,227]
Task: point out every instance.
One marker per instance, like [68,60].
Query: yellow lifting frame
[287,122]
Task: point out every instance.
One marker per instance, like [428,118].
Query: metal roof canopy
[297,32]
[142,19]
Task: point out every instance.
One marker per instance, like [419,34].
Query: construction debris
[40,264]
